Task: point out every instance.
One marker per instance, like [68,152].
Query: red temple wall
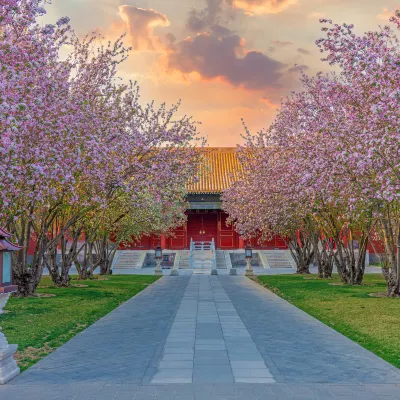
[203,225]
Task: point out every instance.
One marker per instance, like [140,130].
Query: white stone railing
[213,249]
[206,245]
[191,252]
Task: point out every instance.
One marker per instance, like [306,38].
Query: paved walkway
[208,341]
[207,337]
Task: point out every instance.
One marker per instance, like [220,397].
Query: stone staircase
[129,259]
[221,263]
[278,259]
[184,261]
[202,257]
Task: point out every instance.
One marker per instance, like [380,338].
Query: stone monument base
[8,366]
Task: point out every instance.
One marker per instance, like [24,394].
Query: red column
[163,241]
[241,243]
[218,238]
[185,237]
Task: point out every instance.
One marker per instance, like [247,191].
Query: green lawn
[40,325]
[374,323]
[375,264]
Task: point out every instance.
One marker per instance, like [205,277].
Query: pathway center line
[208,341]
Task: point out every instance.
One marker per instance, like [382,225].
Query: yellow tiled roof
[219,168]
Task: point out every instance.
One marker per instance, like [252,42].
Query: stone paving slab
[212,391]
[208,327]
[298,348]
[120,347]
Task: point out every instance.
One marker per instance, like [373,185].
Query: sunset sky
[225,59]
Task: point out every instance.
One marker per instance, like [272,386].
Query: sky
[225,60]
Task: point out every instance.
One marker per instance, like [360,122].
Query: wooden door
[227,234]
[202,227]
[210,227]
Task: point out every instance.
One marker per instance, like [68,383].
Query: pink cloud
[385,14]
[140,23]
[258,7]
[226,58]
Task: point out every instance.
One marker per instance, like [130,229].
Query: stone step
[202,271]
[198,262]
[202,258]
[128,259]
[278,264]
[221,263]
[277,259]
[184,260]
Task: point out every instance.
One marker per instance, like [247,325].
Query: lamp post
[8,367]
[158,254]
[248,253]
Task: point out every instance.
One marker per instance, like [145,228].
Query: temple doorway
[202,226]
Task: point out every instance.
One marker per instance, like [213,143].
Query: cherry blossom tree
[93,241]
[333,153]
[35,112]
[74,138]
[366,107]
[258,205]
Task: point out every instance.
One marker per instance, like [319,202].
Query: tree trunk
[27,277]
[107,252]
[82,268]
[88,266]
[303,253]
[391,259]
[350,267]
[26,282]
[51,264]
[325,266]
[318,257]
[303,268]
[360,261]
[60,274]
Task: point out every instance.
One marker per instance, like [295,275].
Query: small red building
[6,249]
[205,218]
